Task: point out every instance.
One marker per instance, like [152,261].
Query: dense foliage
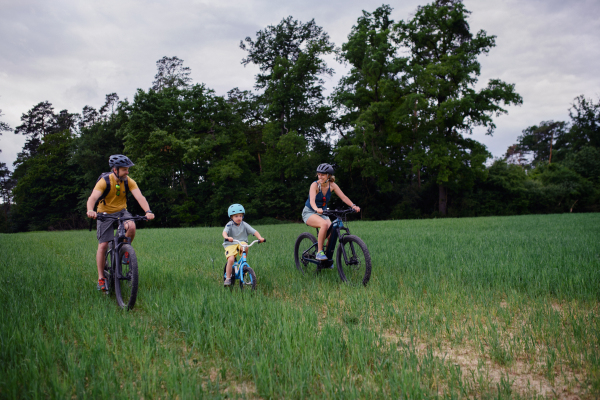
[396,127]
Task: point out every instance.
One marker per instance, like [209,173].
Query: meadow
[491,308]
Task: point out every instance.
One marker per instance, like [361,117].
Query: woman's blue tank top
[320,200]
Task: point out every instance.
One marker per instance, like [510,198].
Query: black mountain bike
[353,259]
[121,266]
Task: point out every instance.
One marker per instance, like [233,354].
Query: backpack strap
[106,177]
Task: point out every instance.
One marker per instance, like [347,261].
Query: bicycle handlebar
[248,245]
[108,217]
[335,213]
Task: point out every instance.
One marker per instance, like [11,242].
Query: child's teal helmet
[236,209]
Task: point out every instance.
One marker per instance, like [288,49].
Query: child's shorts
[233,250]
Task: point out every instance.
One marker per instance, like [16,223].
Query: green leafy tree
[585,126]
[503,192]
[171,74]
[189,151]
[377,130]
[556,188]
[537,141]
[294,113]
[7,183]
[96,142]
[4,127]
[36,124]
[442,70]
[46,192]
[290,58]
[586,162]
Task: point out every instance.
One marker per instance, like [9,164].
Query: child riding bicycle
[236,229]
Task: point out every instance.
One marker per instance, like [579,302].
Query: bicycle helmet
[325,169]
[236,209]
[119,160]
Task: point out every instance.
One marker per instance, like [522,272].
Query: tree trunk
[259,163]
[443,200]
[551,140]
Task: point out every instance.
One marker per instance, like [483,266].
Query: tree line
[396,127]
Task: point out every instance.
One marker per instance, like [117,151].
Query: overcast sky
[72,53]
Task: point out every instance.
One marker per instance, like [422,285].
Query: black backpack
[106,177]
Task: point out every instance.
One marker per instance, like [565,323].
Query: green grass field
[500,307]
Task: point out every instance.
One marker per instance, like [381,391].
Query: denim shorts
[307,212]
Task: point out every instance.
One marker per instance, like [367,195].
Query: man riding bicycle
[110,191]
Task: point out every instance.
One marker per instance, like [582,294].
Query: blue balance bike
[353,260]
[241,269]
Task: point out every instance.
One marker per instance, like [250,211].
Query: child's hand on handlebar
[262,240]
[230,239]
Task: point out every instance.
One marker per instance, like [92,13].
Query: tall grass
[509,291]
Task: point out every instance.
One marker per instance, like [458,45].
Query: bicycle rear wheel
[305,249]
[248,278]
[126,279]
[353,261]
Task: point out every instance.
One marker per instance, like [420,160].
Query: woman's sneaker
[321,256]
[102,285]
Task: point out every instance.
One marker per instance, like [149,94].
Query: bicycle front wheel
[353,261]
[126,279]
[248,278]
[108,271]
[305,250]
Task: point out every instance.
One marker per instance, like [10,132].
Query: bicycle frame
[238,265]
[335,234]
[118,241]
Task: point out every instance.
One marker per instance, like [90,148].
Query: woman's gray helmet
[325,169]
[119,160]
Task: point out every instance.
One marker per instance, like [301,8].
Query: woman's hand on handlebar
[319,210]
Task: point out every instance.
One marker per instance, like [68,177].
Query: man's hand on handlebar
[92,214]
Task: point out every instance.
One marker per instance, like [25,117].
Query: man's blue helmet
[236,209]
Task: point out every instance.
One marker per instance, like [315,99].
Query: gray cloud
[72,53]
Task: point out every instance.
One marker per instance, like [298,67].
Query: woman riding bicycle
[319,195]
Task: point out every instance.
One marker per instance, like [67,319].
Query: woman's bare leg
[323,224]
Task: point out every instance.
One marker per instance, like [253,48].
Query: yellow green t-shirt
[113,203]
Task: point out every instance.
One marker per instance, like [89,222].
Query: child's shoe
[321,256]
[227,282]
